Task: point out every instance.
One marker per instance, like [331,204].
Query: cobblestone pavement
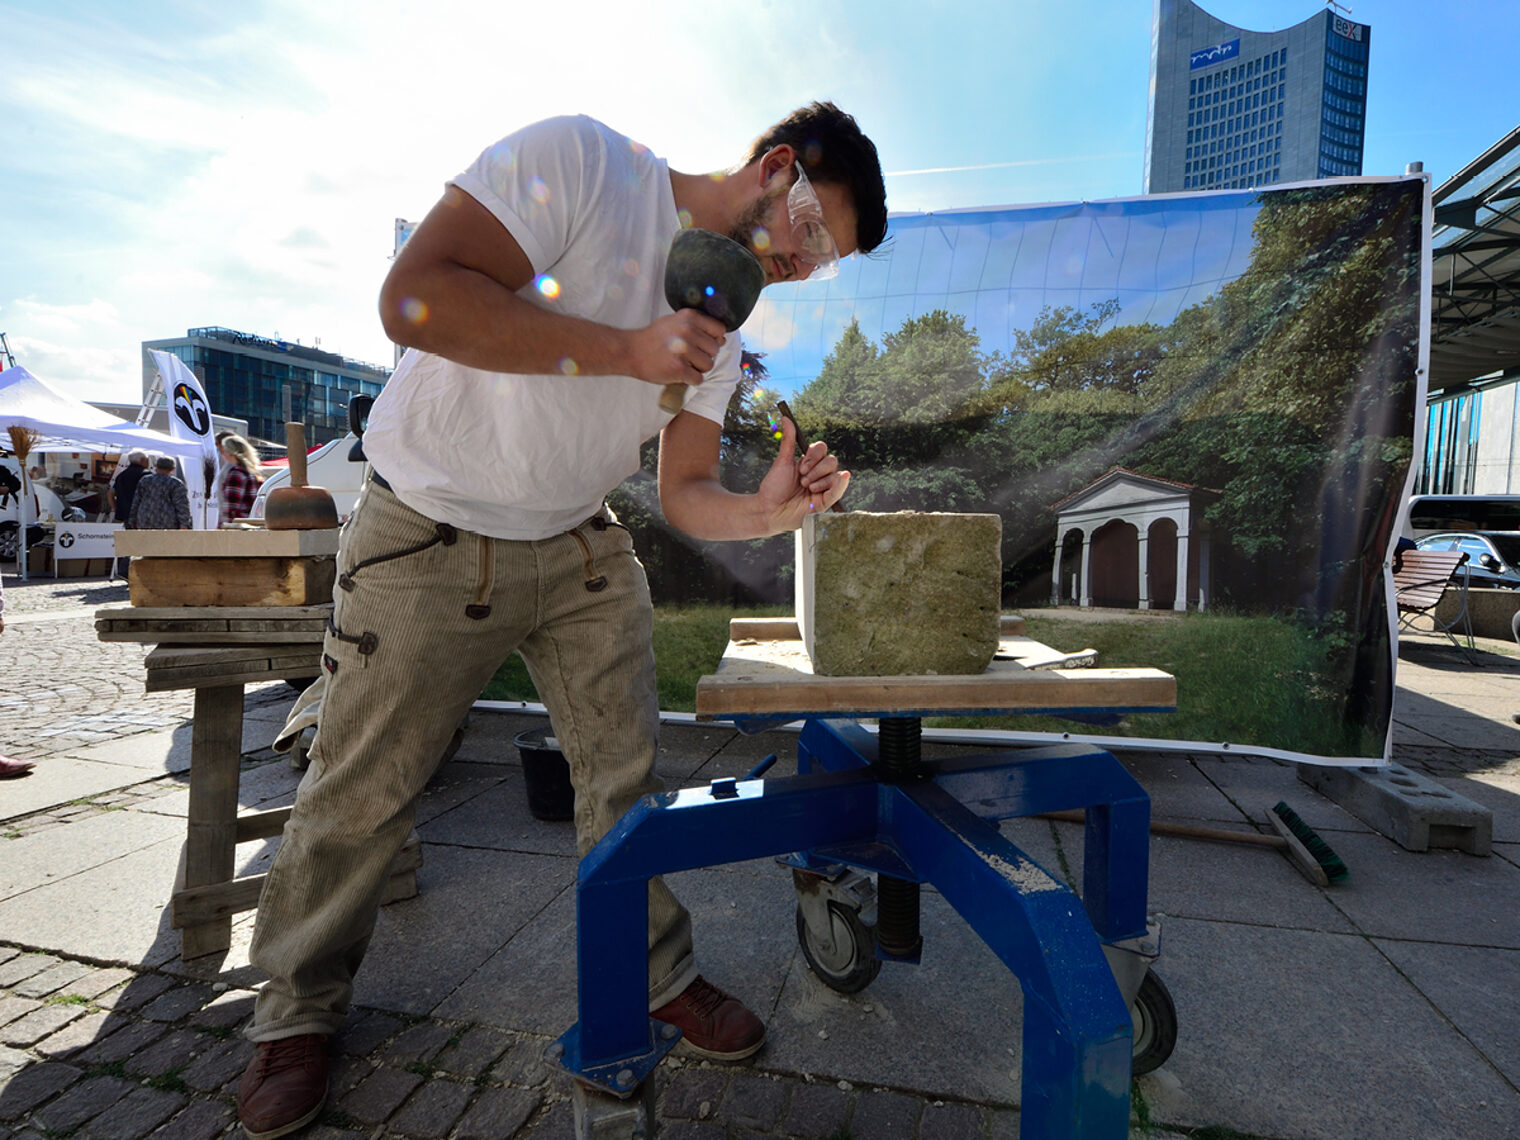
[101,1051]
[65,689]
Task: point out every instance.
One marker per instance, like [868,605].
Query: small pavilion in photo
[1132,541]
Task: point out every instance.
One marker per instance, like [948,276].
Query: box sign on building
[1235,109]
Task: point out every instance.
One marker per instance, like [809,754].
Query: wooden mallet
[297,506]
[715,274]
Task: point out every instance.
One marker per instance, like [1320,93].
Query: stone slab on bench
[1414,811]
[905,593]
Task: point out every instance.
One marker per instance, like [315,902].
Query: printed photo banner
[1202,404]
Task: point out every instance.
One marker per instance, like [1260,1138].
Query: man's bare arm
[452,291]
[695,501]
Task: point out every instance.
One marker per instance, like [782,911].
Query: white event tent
[63,423]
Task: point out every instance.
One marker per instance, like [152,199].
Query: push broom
[1295,839]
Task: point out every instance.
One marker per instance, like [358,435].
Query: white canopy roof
[66,424]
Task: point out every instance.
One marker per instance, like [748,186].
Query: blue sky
[165,165]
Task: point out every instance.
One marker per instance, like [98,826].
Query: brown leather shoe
[712,1023]
[284,1087]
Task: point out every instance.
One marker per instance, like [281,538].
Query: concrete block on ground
[904,593]
[1412,810]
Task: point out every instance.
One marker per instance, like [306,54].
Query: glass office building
[270,382]
[1232,108]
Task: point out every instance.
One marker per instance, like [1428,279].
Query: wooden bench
[206,892]
[1419,582]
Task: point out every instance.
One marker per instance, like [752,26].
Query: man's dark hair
[163,463]
[833,148]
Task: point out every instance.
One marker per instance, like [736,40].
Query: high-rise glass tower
[1235,108]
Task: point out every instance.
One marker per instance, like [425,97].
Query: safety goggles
[814,242]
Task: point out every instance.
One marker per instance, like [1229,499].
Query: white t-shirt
[528,456]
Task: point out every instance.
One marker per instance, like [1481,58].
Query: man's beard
[752,220]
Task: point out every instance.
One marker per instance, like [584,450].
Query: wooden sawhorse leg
[216,751]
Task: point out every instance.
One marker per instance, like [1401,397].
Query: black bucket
[546,774]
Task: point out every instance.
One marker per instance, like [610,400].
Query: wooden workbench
[216,651]
[765,672]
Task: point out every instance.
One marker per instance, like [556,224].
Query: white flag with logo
[190,420]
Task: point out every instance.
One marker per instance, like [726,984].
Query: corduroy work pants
[424,614]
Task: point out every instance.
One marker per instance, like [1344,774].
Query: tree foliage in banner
[1289,393]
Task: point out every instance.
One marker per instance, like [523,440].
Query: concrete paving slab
[1197,878]
[268,785]
[497,818]
[1312,1035]
[1428,895]
[458,783]
[60,780]
[1473,986]
[1180,787]
[469,903]
[742,928]
[1499,792]
[948,1027]
[114,912]
[54,855]
[168,750]
[1258,785]
[543,950]
[1454,726]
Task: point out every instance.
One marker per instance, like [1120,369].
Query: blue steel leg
[1076,1038]
[614,1044]
[1117,837]
[1076,1026]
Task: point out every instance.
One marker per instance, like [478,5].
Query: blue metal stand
[911,822]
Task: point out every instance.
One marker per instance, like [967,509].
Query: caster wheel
[1155,1025]
[850,965]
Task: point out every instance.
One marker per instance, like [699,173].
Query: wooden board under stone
[760,676]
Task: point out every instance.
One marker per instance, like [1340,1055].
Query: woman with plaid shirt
[243,476]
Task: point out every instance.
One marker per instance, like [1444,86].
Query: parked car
[1493,557]
[1438,514]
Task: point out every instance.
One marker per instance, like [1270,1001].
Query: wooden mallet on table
[298,506]
[715,274]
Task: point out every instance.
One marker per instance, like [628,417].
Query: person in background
[221,473]
[119,494]
[10,769]
[241,476]
[161,501]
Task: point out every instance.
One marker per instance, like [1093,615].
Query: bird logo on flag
[191,409]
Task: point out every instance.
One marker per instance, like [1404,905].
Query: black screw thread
[897,917]
[899,750]
[899,747]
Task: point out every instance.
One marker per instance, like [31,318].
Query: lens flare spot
[538,190]
[761,238]
[569,367]
[547,286]
[709,290]
[637,147]
[684,217]
[812,154]
[415,310]
[630,268]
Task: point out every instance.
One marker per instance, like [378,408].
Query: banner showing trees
[1259,352]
